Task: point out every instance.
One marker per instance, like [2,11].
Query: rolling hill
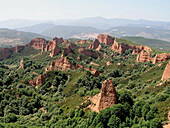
[11,38]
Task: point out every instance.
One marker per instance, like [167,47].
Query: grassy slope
[154,43]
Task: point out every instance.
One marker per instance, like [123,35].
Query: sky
[157,10]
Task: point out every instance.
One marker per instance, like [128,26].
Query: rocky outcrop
[61,64]
[95,45]
[106,98]
[52,47]
[58,40]
[144,57]
[121,48]
[38,43]
[7,52]
[17,48]
[67,50]
[166,73]
[88,52]
[105,39]
[40,80]
[161,57]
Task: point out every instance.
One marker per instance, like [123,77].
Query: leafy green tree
[114,122]
[150,115]
[145,110]
[71,113]
[155,123]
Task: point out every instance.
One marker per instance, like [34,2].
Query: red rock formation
[166,74]
[161,57]
[95,45]
[52,46]
[106,98]
[5,53]
[67,50]
[61,64]
[144,57]
[38,43]
[87,52]
[40,80]
[105,39]
[17,48]
[58,40]
[121,48]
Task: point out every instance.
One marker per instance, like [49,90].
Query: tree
[155,123]
[145,110]
[114,122]
[71,113]
[150,115]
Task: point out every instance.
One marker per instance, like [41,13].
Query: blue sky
[75,9]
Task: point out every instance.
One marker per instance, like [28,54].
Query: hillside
[103,83]
[11,38]
[154,43]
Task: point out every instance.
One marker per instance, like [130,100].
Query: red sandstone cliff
[106,98]
[52,47]
[95,45]
[166,74]
[58,40]
[105,39]
[67,50]
[40,80]
[121,48]
[61,64]
[161,57]
[146,56]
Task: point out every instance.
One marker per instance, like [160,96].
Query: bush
[11,117]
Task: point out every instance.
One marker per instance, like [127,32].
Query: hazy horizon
[153,10]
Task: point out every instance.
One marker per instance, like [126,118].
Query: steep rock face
[38,43]
[52,46]
[67,50]
[61,64]
[144,57]
[105,39]
[106,98]
[95,45]
[87,52]
[17,48]
[40,80]
[166,74]
[121,48]
[5,53]
[58,40]
[161,57]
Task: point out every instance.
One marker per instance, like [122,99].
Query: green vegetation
[154,43]
[62,101]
